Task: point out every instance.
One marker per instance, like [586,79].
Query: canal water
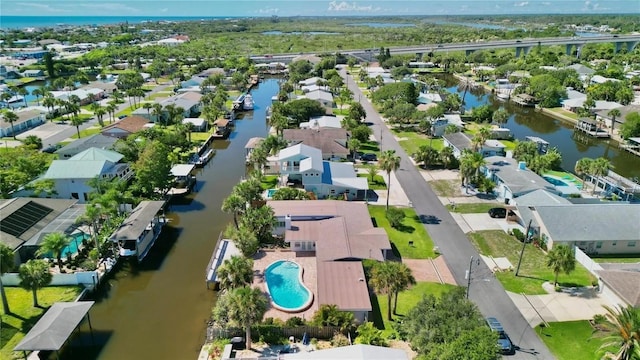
[159,309]
[524,121]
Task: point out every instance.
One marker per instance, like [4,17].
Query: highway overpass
[521,46]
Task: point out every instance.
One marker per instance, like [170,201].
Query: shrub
[294,321]
[314,341]
[338,340]
[518,234]
[395,217]
[369,335]
[270,334]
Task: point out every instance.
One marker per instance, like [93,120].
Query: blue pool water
[285,288]
[270,193]
[76,240]
[555,181]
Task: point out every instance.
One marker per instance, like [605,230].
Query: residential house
[125,127]
[33,73]
[352,352]
[314,87]
[26,220]
[86,95]
[71,177]
[310,81]
[429,98]
[439,126]
[325,98]
[27,119]
[189,102]
[199,124]
[601,228]
[320,122]
[303,165]
[172,41]
[460,141]
[599,79]
[9,72]
[584,72]
[252,144]
[512,178]
[603,115]
[332,142]
[93,141]
[106,87]
[575,105]
[340,234]
[620,285]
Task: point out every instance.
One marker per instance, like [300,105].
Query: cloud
[268,11]
[111,7]
[164,10]
[546,3]
[42,7]
[522,4]
[345,6]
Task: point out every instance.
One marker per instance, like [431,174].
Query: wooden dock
[632,146]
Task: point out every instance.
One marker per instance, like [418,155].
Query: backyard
[533,271]
[378,182]
[571,340]
[412,140]
[411,240]
[24,315]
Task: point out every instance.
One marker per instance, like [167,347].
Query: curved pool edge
[301,308]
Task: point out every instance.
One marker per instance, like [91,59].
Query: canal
[159,309]
[573,146]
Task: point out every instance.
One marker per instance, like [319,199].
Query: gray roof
[537,198]
[624,111]
[95,140]
[624,283]
[97,154]
[581,69]
[320,95]
[591,222]
[458,140]
[137,221]
[55,326]
[76,169]
[519,182]
[352,352]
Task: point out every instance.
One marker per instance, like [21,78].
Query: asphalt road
[485,291]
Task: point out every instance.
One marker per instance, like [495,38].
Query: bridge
[522,46]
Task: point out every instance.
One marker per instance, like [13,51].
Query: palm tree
[11,117]
[404,279]
[599,167]
[156,110]
[446,156]
[389,162]
[100,112]
[23,92]
[235,272]
[49,102]
[372,171]
[258,158]
[77,121]
[383,279]
[111,109]
[583,167]
[92,215]
[500,116]
[234,204]
[54,243]
[561,258]
[623,325]
[614,113]
[38,92]
[34,275]
[147,106]
[279,122]
[470,164]
[6,264]
[426,155]
[247,306]
[33,141]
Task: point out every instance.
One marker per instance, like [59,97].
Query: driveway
[477,222]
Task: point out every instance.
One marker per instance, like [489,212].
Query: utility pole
[381,139]
[469,276]
[524,243]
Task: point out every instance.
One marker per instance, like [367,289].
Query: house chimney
[287,222]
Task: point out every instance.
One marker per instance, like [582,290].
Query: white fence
[586,261]
[86,278]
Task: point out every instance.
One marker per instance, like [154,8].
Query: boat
[502,96]
[248,102]
[203,159]
[139,231]
[238,104]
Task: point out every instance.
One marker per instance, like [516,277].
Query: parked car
[500,213]
[504,342]
[368,157]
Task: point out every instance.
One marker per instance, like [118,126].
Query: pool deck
[305,259]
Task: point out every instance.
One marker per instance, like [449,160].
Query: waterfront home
[602,228]
[25,221]
[106,87]
[188,101]
[86,95]
[302,164]
[79,145]
[460,141]
[199,124]
[9,72]
[325,98]
[319,122]
[125,127]
[429,98]
[599,79]
[140,230]
[339,234]
[576,104]
[512,178]
[332,142]
[71,177]
[314,87]
[541,144]
[310,81]
[33,73]
[603,115]
[251,145]
[27,119]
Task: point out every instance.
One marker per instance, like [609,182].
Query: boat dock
[591,128]
[224,250]
[632,146]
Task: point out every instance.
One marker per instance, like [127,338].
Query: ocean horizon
[21,22]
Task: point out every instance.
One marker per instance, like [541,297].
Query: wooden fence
[318,332]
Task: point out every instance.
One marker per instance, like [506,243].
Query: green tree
[354,145]
[152,170]
[287,193]
[477,344]
[622,326]
[34,275]
[383,277]
[49,64]
[470,165]
[614,114]
[447,157]
[249,190]
[426,155]
[246,306]
[372,171]
[53,243]
[500,116]
[361,132]
[330,315]
[631,127]
[599,167]
[11,117]
[395,216]
[33,141]
[77,121]
[234,204]
[260,221]
[482,113]
[369,335]
[561,259]
[404,279]
[583,167]
[389,162]
[235,272]
[244,238]
[7,262]
[356,111]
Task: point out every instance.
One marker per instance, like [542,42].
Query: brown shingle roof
[624,283]
[130,124]
[325,139]
[343,283]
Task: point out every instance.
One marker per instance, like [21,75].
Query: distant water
[381,25]
[20,22]
[278,32]
[475,25]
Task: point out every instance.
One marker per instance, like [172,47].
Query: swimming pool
[76,240]
[284,284]
[555,181]
[270,193]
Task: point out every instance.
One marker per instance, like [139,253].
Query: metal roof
[352,352]
[97,154]
[55,326]
[137,221]
[78,169]
[182,169]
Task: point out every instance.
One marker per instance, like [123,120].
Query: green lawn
[534,270]
[446,188]
[200,136]
[571,340]
[269,182]
[126,111]
[564,112]
[406,301]
[16,325]
[159,94]
[626,258]
[473,208]
[369,147]
[338,111]
[87,132]
[412,230]
[378,182]
[411,141]
[64,118]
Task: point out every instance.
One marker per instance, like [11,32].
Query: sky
[244,8]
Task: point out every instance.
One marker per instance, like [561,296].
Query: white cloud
[268,11]
[42,7]
[522,4]
[164,10]
[345,6]
[546,3]
[111,7]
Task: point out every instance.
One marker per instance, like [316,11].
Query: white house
[325,98]
[460,141]
[512,178]
[27,119]
[304,165]
[319,122]
[71,176]
[310,81]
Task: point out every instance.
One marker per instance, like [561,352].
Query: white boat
[502,96]
[204,158]
[248,102]
[137,234]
